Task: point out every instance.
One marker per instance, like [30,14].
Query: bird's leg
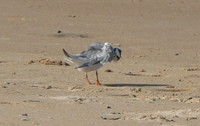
[88,79]
[98,82]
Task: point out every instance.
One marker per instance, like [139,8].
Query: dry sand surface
[156,83]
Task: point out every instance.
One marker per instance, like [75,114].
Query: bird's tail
[66,53]
[69,56]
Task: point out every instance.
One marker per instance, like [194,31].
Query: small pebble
[6,82]
[13,73]
[108,107]
[25,114]
[48,87]
[30,62]
[191,118]
[4,87]
[143,70]
[25,119]
[59,31]
[108,70]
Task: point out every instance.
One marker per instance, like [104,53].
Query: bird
[94,57]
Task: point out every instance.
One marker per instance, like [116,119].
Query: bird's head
[117,54]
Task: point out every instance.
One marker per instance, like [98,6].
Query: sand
[156,83]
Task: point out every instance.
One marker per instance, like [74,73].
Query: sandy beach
[155,83]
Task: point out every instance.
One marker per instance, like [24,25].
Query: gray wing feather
[97,53]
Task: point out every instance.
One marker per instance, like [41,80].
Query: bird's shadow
[134,85]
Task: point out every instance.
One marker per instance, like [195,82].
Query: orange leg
[88,79]
[98,82]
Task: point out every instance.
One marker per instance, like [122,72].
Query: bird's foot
[98,83]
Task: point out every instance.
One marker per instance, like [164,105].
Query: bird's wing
[98,53]
[93,48]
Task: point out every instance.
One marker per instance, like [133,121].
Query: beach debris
[108,70]
[73,16]
[112,116]
[195,99]
[193,69]
[108,107]
[191,118]
[48,87]
[4,86]
[158,116]
[76,88]
[76,99]
[60,34]
[30,62]
[135,90]
[48,62]
[13,73]
[25,119]
[6,82]
[24,114]
[179,53]
[142,70]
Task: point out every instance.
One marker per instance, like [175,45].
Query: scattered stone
[108,107]
[175,99]
[6,82]
[136,90]
[30,62]
[191,118]
[48,87]
[129,73]
[13,73]
[60,34]
[134,96]
[76,99]
[143,70]
[75,88]
[108,70]
[25,114]
[192,100]
[115,113]
[73,16]
[83,36]
[4,87]
[25,119]
[59,31]
[110,118]
[49,62]
[156,75]
[193,69]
